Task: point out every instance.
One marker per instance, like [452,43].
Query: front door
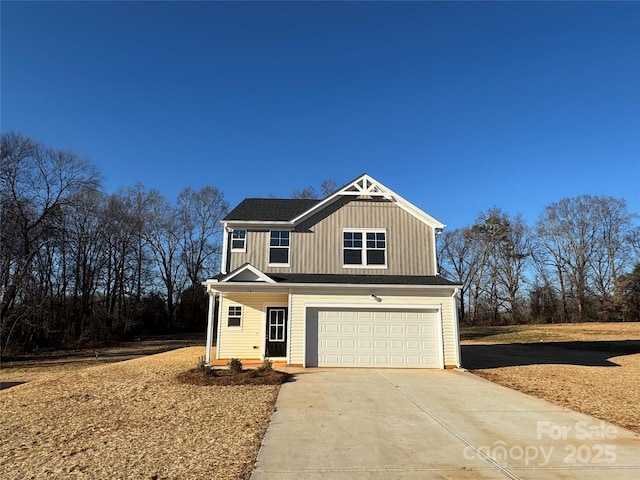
[276,334]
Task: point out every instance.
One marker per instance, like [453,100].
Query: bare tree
[163,235]
[200,214]
[36,183]
[458,255]
[328,187]
[307,192]
[584,240]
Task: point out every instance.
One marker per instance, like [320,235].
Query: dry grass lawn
[131,419]
[610,393]
[80,417]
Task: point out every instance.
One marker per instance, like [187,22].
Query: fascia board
[243,286]
[257,223]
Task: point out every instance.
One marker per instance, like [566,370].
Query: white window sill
[374,267]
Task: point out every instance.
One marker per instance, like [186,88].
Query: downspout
[436,233]
[225,247]
[212,303]
[456,325]
[220,297]
[290,314]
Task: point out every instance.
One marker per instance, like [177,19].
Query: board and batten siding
[299,302]
[246,342]
[316,243]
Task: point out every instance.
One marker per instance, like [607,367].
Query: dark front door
[276,335]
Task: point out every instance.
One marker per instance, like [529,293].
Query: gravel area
[132,419]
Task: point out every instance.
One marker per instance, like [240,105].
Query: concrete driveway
[421,424]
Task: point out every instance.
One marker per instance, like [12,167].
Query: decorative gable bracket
[365,185]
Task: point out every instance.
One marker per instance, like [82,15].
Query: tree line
[579,262]
[79,264]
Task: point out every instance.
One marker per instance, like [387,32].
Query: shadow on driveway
[591,354]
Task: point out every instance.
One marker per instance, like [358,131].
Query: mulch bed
[219,377]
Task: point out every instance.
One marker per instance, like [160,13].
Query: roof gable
[292,211]
[367,186]
[246,273]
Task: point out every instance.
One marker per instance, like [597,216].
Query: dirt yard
[131,419]
[590,368]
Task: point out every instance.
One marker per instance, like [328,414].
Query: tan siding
[316,244]
[257,243]
[299,301]
[240,342]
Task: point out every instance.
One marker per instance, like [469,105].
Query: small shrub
[202,364]
[267,366]
[235,365]
[204,368]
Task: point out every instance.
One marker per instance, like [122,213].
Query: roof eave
[248,285]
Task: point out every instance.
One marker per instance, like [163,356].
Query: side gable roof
[270,209]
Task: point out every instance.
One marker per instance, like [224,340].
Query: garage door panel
[379,338]
[332,328]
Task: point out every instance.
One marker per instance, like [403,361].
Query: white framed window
[364,248]
[234,317]
[279,247]
[239,241]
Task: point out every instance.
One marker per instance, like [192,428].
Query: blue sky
[456,106]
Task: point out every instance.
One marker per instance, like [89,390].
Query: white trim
[262,277]
[236,287]
[235,327]
[289,309]
[263,351]
[383,306]
[225,246]
[209,344]
[364,248]
[456,327]
[288,247]
[244,240]
[367,185]
[219,327]
[246,224]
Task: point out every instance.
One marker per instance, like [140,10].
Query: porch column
[212,304]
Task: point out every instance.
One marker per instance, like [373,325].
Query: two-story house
[350,280]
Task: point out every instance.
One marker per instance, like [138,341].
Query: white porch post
[212,303]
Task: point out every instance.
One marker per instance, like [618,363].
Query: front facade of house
[350,280]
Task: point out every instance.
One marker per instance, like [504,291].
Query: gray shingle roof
[270,209]
[357,279]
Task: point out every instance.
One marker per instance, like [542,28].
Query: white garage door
[378,338]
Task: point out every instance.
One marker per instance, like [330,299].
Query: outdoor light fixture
[373,296]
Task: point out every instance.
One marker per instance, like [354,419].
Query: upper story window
[364,248]
[238,241]
[279,247]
